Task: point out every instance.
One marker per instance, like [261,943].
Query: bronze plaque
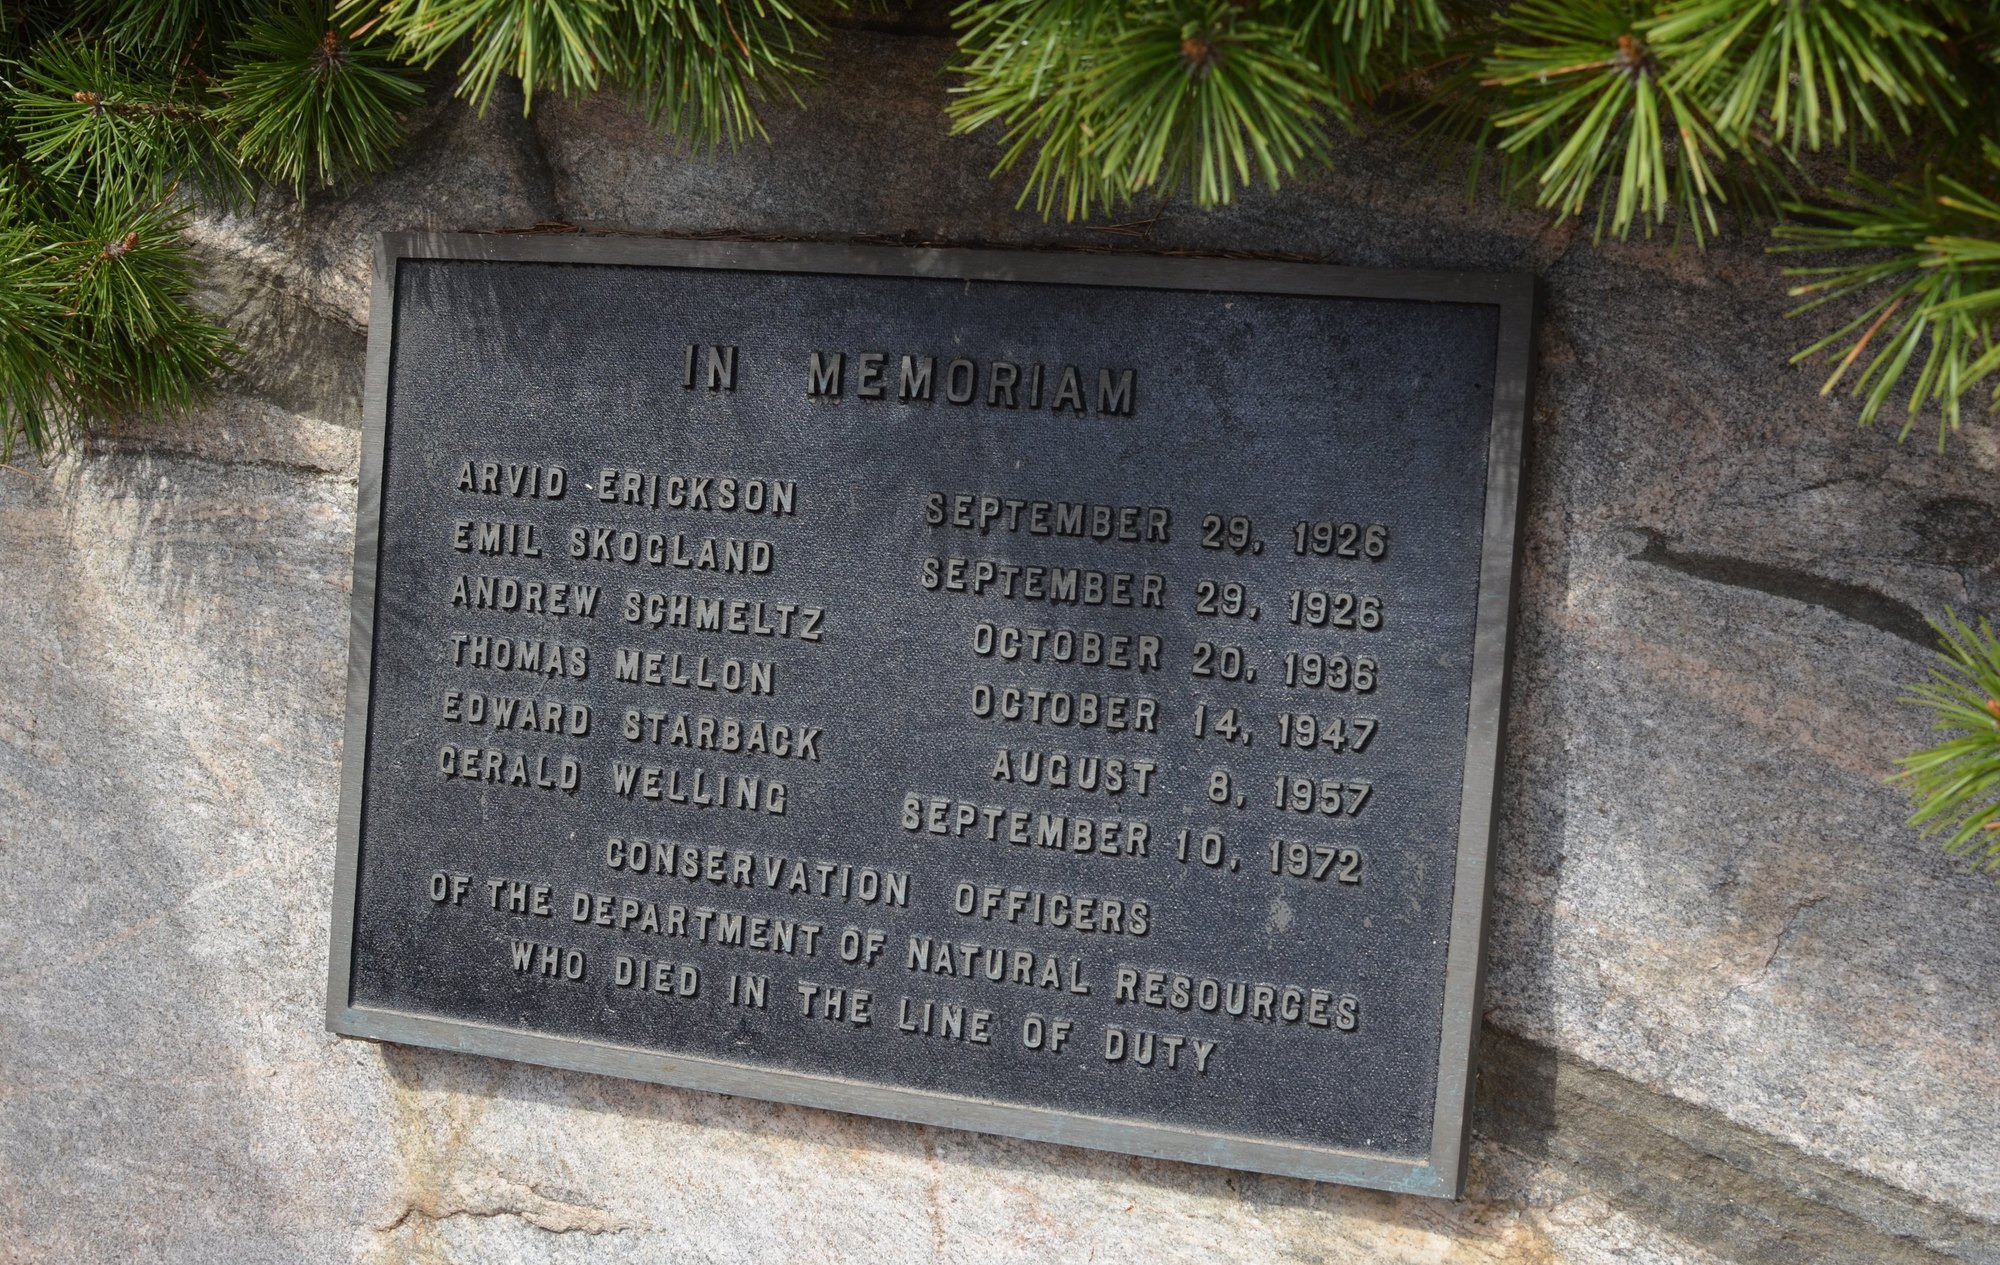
[1057,695]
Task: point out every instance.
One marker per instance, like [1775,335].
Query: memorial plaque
[1055,695]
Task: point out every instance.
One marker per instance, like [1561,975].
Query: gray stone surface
[1739,1014]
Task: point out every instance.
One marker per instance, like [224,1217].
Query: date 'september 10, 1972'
[1051,695]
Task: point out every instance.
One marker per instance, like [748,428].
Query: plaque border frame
[1439,1174]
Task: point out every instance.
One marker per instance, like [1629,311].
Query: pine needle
[1956,783]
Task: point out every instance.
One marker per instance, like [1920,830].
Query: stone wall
[1738,1013]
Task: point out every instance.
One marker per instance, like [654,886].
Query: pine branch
[1926,281]
[94,294]
[1364,45]
[92,119]
[1642,113]
[1449,106]
[1025,63]
[1592,113]
[128,282]
[1196,94]
[1107,103]
[38,400]
[701,70]
[698,67]
[308,105]
[95,321]
[557,45]
[175,28]
[1956,784]
[1814,75]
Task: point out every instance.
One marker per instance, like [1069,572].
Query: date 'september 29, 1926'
[1051,695]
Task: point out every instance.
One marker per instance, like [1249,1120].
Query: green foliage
[307,104]
[35,376]
[85,119]
[164,28]
[1924,272]
[1660,111]
[1361,44]
[112,114]
[1864,130]
[559,44]
[124,298]
[94,275]
[1640,115]
[95,320]
[1116,101]
[1956,784]
[1813,74]
[699,67]
[1591,111]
